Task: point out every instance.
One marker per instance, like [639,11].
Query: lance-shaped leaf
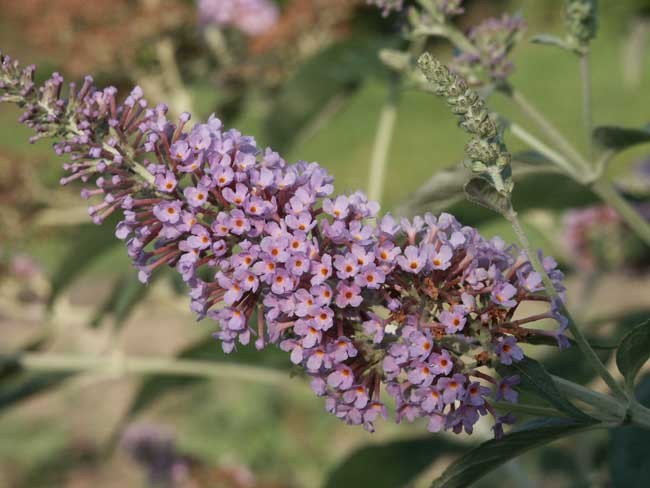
[488,456]
[633,352]
[392,464]
[88,243]
[127,292]
[550,40]
[26,385]
[619,138]
[536,379]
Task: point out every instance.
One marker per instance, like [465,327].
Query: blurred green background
[313,88]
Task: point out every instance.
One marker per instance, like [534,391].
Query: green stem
[118,364]
[606,191]
[455,36]
[383,137]
[579,337]
[548,129]
[639,415]
[585,75]
[603,404]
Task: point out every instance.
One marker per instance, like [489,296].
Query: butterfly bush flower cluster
[154,448]
[423,309]
[592,235]
[252,17]
[493,40]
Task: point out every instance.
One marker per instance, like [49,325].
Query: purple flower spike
[271,258]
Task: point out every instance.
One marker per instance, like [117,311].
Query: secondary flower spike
[422,308]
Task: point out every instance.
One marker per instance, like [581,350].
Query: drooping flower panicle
[252,17]
[421,308]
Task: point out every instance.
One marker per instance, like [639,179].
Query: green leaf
[619,138]
[629,448]
[320,85]
[536,379]
[443,188]
[127,292]
[392,464]
[550,40]
[481,192]
[488,456]
[27,385]
[88,243]
[207,349]
[633,352]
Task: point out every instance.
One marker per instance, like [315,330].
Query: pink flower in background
[252,17]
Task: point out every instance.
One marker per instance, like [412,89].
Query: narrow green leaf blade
[28,385]
[126,293]
[619,138]
[88,244]
[550,40]
[488,456]
[536,379]
[390,465]
[633,352]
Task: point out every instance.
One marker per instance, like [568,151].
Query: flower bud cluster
[422,308]
[487,154]
[252,17]
[581,23]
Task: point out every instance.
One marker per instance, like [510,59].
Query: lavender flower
[493,39]
[252,17]
[592,236]
[154,448]
[422,310]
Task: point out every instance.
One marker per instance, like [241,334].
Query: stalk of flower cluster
[382,143]
[579,337]
[150,365]
[421,309]
[585,76]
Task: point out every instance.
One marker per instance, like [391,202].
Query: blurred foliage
[311,87]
